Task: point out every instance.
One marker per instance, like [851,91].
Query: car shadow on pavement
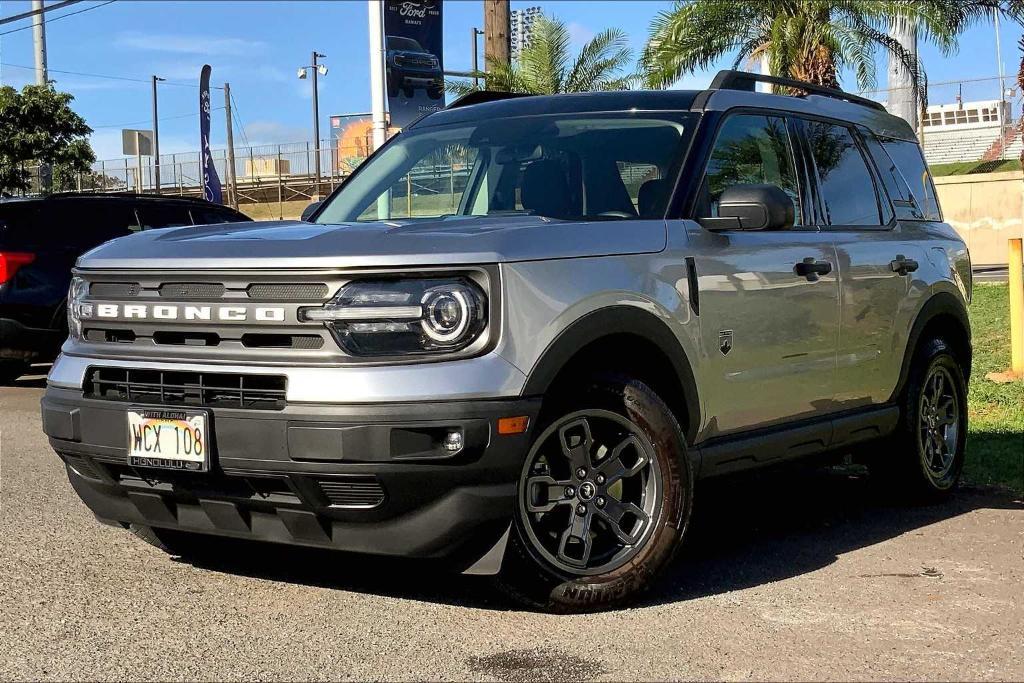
[748,530]
[764,526]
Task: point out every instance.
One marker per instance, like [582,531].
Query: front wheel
[603,501]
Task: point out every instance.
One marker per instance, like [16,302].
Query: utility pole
[156,140]
[497,27]
[378,103]
[231,148]
[39,41]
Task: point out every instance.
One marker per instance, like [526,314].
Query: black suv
[40,240]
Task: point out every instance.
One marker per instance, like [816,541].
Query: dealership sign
[413,62]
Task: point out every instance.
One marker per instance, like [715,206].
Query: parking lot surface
[794,575]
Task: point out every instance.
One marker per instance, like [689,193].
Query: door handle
[811,269]
[903,265]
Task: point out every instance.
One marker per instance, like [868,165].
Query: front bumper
[370,479]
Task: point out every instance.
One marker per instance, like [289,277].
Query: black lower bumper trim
[383,490]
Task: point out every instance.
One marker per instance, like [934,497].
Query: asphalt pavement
[790,575]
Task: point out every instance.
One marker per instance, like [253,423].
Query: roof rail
[744,80]
[481,96]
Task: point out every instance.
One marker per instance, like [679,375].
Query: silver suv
[521,332]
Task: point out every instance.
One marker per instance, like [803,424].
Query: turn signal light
[513,425]
[11,261]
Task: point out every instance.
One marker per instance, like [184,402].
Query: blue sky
[257,47]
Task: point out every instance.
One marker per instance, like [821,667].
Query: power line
[162,118]
[32,13]
[63,16]
[236,115]
[147,81]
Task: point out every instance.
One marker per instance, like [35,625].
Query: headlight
[402,317]
[77,308]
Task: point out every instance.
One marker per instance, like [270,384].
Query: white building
[970,131]
[522,29]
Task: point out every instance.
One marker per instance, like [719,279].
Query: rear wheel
[603,500]
[926,454]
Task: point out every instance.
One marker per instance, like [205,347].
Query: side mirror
[752,207]
[308,212]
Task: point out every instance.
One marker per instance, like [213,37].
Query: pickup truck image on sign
[515,339]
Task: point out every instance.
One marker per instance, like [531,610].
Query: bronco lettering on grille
[166,312]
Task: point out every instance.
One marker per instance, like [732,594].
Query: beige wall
[986,209]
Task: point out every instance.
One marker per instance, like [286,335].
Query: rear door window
[212,215]
[845,184]
[908,158]
[903,201]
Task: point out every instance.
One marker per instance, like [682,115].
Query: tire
[638,472]
[11,370]
[392,87]
[435,93]
[408,92]
[172,542]
[924,457]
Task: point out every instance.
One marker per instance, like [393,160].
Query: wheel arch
[943,315]
[629,339]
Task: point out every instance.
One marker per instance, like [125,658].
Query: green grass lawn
[995,442]
[969,167]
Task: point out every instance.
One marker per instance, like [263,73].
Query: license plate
[168,439]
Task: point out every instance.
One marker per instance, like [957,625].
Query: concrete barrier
[986,209]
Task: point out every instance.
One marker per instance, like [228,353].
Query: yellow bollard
[1017,307]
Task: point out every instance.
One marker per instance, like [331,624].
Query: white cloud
[273,132]
[579,34]
[189,44]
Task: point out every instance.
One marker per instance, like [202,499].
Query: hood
[456,240]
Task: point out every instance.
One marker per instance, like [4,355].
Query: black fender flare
[617,320]
[942,303]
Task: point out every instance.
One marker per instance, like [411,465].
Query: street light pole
[316,121]
[318,70]
[156,140]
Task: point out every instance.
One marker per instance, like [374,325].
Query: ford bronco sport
[520,333]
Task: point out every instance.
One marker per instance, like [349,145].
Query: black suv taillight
[11,262]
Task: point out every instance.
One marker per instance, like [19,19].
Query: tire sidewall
[934,353]
[532,579]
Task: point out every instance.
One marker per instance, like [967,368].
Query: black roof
[619,100]
[728,89]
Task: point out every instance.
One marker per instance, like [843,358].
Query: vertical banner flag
[211,183]
[413,62]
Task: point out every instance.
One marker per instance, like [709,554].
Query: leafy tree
[546,67]
[38,127]
[809,40]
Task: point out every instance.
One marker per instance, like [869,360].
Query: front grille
[353,492]
[202,389]
[114,290]
[287,292]
[192,290]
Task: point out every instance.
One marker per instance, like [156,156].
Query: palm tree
[546,67]
[809,40]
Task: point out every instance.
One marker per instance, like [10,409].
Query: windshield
[569,167]
[399,43]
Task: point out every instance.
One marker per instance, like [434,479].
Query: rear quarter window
[909,160]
